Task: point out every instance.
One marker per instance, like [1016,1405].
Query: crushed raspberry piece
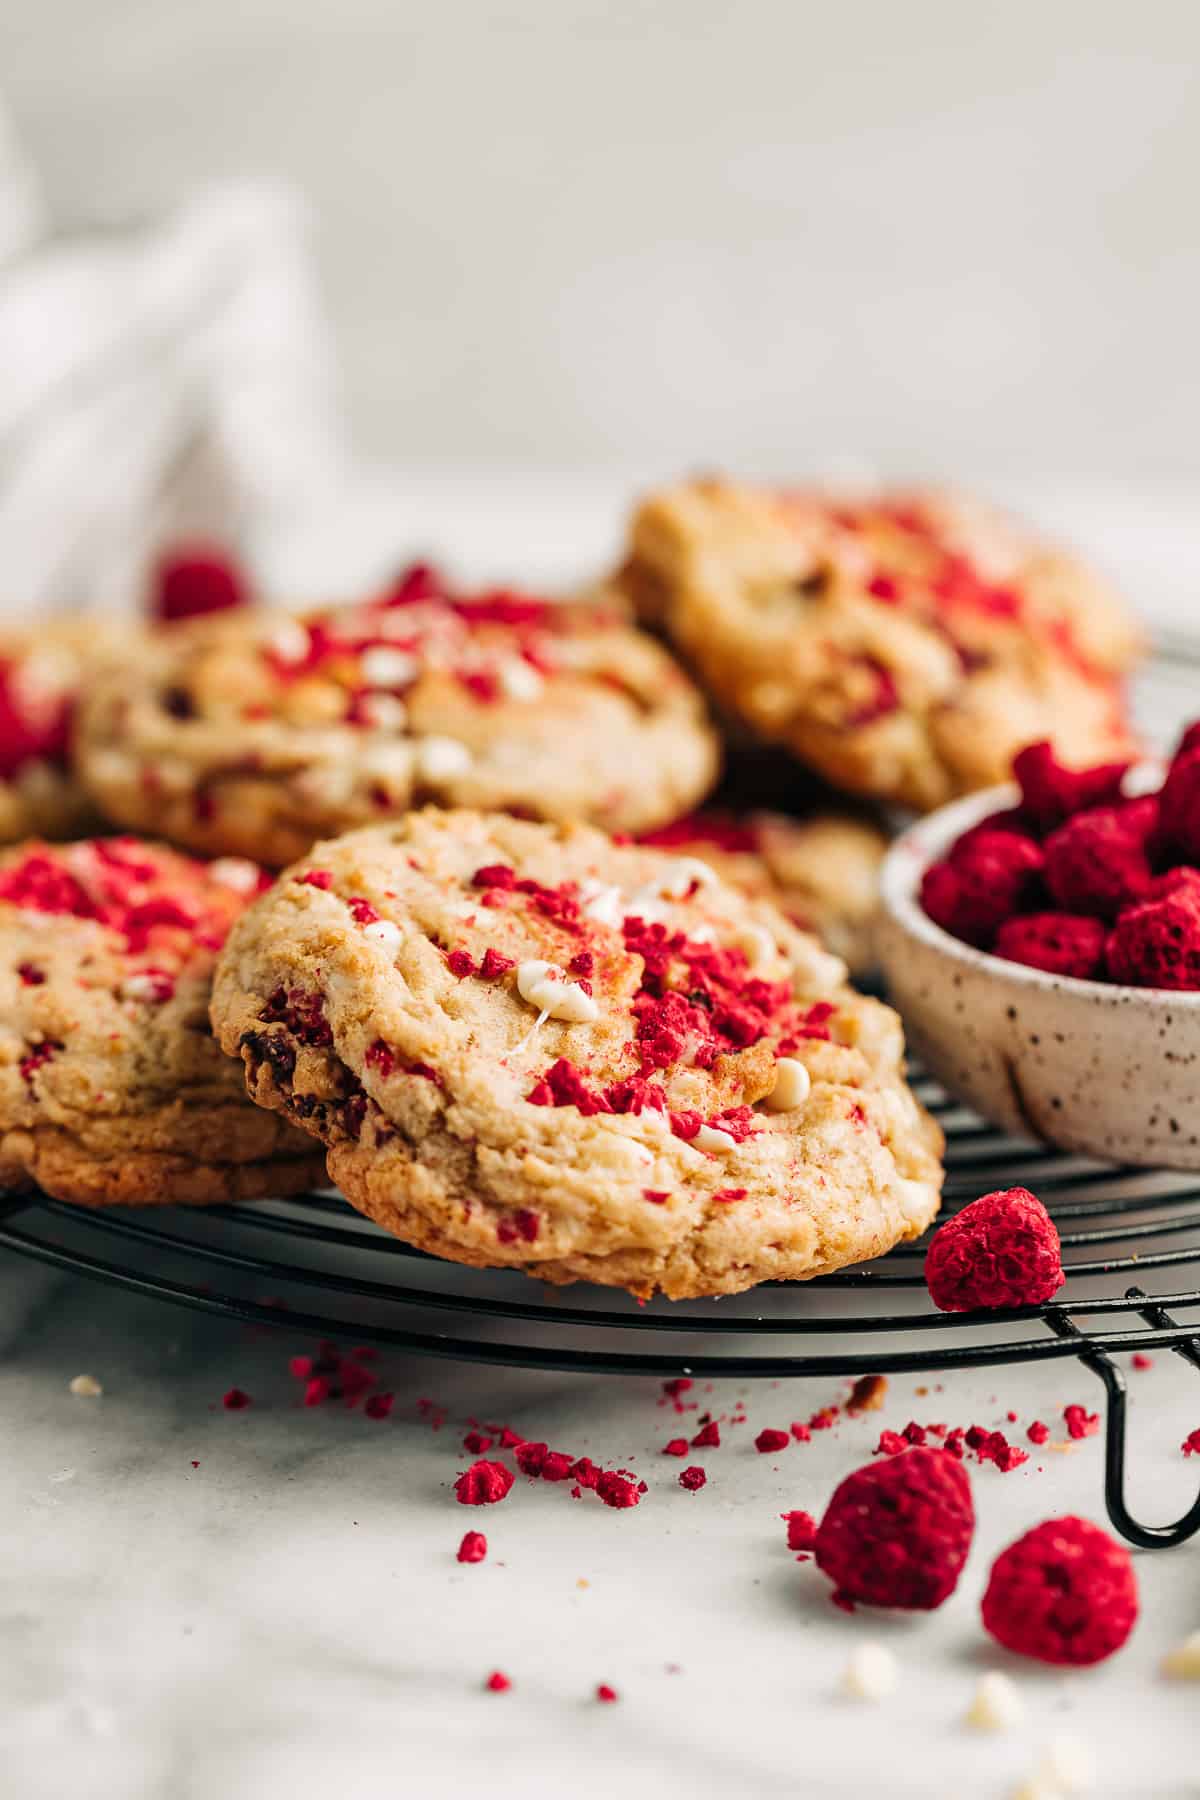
[1097,862]
[720,829]
[692,1479]
[37,1059]
[675,1447]
[1183,880]
[379,1406]
[235,1400]
[801,1432]
[1080,1422]
[897,1533]
[483,1484]
[1139,1360]
[585,1472]
[606,1694]
[521,1226]
[994,1447]
[191,583]
[678,1384]
[476,1443]
[300,1366]
[530,1458]
[1064,1593]
[1002,1250]
[729,1196]
[634,1095]
[1179,807]
[1157,944]
[685,1124]
[1191,1443]
[656,1196]
[1058,942]
[557,1466]
[318,878]
[616,1489]
[582,964]
[497,1682]
[769,1440]
[495,875]
[708,1437]
[1038,1432]
[801,1530]
[509,1439]
[317,1390]
[461,963]
[1050,792]
[891,1443]
[362,912]
[563,1085]
[914,1433]
[473,1548]
[30,975]
[494,965]
[981,883]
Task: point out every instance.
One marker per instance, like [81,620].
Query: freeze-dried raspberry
[897,1533]
[676,1447]
[530,1457]
[236,1400]
[708,1437]
[1157,944]
[1191,1443]
[1061,943]
[1038,1432]
[801,1530]
[1190,740]
[498,1682]
[981,883]
[1064,1593]
[193,583]
[769,1440]
[891,1443]
[473,1548]
[692,1479]
[1098,863]
[1050,792]
[616,1489]
[1080,1422]
[1002,1250]
[1179,808]
[606,1693]
[483,1484]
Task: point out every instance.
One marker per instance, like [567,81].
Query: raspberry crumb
[379,1406]
[692,1479]
[897,1533]
[867,1395]
[473,1548]
[1080,1422]
[708,1437]
[676,1447]
[1038,1432]
[475,1443]
[497,1682]
[235,1400]
[318,878]
[678,1384]
[1191,1443]
[483,1484]
[616,1489]
[606,1694]
[1140,1360]
[1002,1250]
[801,1432]
[1064,1593]
[461,963]
[801,1530]
[891,1443]
[769,1440]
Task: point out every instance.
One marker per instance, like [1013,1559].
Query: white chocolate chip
[646,903]
[918,1199]
[383,712]
[1183,1663]
[552,991]
[383,933]
[236,872]
[715,1141]
[757,943]
[441,758]
[996,1704]
[871,1673]
[519,679]
[1067,1766]
[602,902]
[86,1386]
[289,640]
[793,1085]
[385,667]
[685,873]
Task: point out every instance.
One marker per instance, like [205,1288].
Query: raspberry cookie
[40,677]
[112,1091]
[905,647]
[526,1046]
[821,871]
[255,735]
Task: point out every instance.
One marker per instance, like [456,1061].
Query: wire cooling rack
[1131,1249]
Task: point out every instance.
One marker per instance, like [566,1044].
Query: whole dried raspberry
[1179,809]
[483,1484]
[1064,1593]
[1157,944]
[1002,1250]
[981,883]
[897,1533]
[1097,862]
[1050,792]
[1061,943]
[194,582]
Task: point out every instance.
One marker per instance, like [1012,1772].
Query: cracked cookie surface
[255,734]
[524,1045]
[112,1088]
[905,646]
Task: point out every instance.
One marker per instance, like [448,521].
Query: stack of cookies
[522,1001]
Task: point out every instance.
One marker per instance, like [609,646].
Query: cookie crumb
[86,1386]
[1183,1662]
[867,1395]
[996,1704]
[871,1673]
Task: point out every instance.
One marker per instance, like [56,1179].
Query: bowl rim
[924,841]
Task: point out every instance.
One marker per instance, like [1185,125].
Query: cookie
[255,735]
[40,678]
[822,872]
[526,1046]
[112,1089]
[905,646]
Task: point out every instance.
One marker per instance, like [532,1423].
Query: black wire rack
[1131,1250]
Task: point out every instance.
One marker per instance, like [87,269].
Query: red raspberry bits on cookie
[483,1484]
[1065,1593]
[897,1533]
[984,880]
[473,1548]
[1058,942]
[1002,1250]
[1157,944]
[1097,862]
[192,583]
[1050,792]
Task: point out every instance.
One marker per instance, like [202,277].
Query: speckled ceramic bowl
[1111,1072]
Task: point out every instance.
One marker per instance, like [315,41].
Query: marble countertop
[201,1604]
